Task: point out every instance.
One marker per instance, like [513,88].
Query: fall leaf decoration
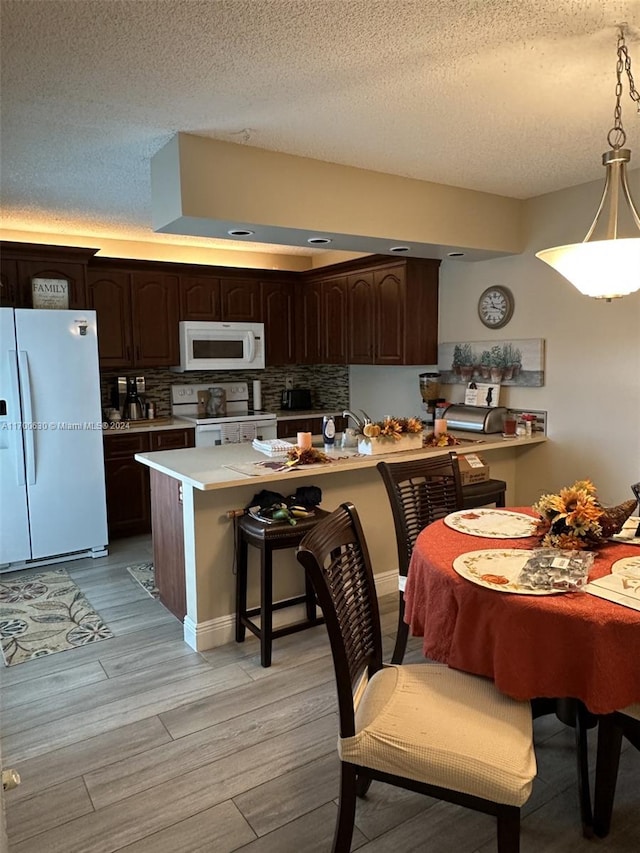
[442,440]
[307,456]
[392,427]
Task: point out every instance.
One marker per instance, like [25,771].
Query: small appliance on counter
[120,388]
[430,393]
[133,405]
[485,419]
[296,399]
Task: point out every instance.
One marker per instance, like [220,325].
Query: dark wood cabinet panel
[10,296]
[389,316]
[309,322]
[361,307]
[127,481]
[292,426]
[393,314]
[278,316]
[240,300]
[334,321]
[128,503]
[109,295]
[168,542]
[199,298]
[172,439]
[154,303]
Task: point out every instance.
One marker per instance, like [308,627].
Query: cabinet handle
[127,350]
[137,353]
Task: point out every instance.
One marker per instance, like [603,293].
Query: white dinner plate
[497,568]
[492,523]
[627,566]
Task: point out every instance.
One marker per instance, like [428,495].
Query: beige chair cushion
[443,727]
[632,711]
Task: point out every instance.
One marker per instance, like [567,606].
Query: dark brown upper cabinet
[278,314]
[199,298]
[137,316]
[240,300]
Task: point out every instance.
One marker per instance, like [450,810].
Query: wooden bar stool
[479,494]
[269,538]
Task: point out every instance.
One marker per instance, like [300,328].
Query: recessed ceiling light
[239,232]
[455,254]
[399,249]
[318,241]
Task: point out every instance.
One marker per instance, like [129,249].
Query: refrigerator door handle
[15,397]
[28,425]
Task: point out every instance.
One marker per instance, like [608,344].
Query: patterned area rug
[144,574]
[44,614]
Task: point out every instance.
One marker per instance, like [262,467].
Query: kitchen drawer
[172,439]
[122,444]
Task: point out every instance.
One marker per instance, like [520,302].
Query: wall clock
[495,306]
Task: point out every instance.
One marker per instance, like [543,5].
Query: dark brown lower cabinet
[291,427]
[168,542]
[127,481]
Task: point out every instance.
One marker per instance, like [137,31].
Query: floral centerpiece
[575,518]
[391,434]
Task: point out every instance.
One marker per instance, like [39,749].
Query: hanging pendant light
[607,266]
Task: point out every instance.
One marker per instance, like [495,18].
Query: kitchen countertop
[208,468]
[290,415]
[154,425]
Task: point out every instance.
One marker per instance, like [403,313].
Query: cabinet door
[278,315]
[172,439]
[109,294]
[334,321]
[127,484]
[309,325]
[389,313]
[73,274]
[240,300]
[360,296]
[10,296]
[154,299]
[199,298]
[128,498]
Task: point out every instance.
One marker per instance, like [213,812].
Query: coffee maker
[430,391]
[128,389]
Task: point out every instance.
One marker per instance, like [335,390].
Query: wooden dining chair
[420,492]
[423,727]
[611,729]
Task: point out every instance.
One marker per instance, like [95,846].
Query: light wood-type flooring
[140,744]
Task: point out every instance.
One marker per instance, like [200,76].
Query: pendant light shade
[604,269]
[606,264]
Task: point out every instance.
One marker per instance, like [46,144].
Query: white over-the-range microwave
[220,346]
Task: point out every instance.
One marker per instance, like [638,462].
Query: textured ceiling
[506,96]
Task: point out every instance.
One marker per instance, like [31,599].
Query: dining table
[533,644]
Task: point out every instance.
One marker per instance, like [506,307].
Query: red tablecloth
[570,645]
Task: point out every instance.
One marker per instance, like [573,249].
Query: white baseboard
[217,632]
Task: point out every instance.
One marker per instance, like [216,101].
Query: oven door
[235,432]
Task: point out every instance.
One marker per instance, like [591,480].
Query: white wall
[592,365]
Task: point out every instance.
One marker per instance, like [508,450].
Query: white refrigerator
[52,483]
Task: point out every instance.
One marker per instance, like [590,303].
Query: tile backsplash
[329,384]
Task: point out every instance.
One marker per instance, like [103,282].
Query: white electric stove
[239,425]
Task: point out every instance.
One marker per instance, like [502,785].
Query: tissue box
[473,469]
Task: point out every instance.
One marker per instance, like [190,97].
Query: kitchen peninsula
[194,489]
